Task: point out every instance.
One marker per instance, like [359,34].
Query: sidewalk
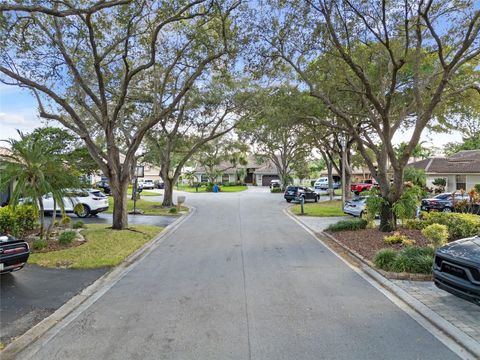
[461,314]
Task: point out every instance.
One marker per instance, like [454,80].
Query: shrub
[408,242]
[56,223]
[415,224]
[66,220]
[406,207]
[348,225]
[477,187]
[8,221]
[172,210]
[209,187]
[66,237]
[26,217]
[276,190]
[437,234]
[459,225]
[39,244]
[384,258]
[414,260]
[396,238]
[78,224]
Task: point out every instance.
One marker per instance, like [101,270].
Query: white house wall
[472,180]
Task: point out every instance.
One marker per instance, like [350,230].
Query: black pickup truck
[14,253]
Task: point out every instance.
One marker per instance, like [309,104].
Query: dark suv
[298,192]
[456,268]
[442,202]
[13,253]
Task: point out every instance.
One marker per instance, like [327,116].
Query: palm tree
[37,172]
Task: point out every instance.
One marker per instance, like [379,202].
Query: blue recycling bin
[215,188]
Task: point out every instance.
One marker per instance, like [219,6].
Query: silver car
[356,206]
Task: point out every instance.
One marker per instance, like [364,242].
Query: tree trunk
[54,218]
[168,191]
[120,209]
[42,217]
[331,190]
[387,217]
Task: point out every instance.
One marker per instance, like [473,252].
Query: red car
[363,186]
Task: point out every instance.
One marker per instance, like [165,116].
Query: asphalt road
[240,280]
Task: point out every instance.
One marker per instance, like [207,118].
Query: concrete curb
[470,347]
[80,302]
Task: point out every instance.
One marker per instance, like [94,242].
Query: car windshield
[292,188]
[443,196]
[97,193]
[359,199]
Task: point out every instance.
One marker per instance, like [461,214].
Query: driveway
[241,280]
[33,293]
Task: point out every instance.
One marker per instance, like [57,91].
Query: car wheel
[84,212]
[362,214]
[447,210]
[316,198]
[289,200]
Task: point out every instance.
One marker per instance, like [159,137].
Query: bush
[8,221]
[408,242]
[39,244]
[66,237]
[276,190]
[396,238]
[172,210]
[414,260]
[414,224]
[209,187]
[26,218]
[348,225]
[78,224]
[459,225]
[437,234]
[66,220]
[477,187]
[384,258]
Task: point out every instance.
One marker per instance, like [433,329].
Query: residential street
[241,280]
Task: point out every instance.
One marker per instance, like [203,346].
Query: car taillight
[13,251]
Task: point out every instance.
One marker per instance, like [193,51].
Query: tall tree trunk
[168,191]
[54,218]
[120,209]
[42,217]
[331,190]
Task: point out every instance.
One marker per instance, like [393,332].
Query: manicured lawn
[148,207]
[104,247]
[320,209]
[145,193]
[192,189]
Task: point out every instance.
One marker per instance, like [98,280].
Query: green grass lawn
[202,189]
[104,247]
[148,207]
[320,209]
[145,193]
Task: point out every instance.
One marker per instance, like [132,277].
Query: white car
[147,184]
[93,201]
[322,184]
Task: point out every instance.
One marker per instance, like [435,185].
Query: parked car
[104,186]
[275,183]
[13,253]
[356,206]
[442,202]
[93,201]
[159,184]
[365,185]
[298,192]
[322,183]
[147,184]
[456,268]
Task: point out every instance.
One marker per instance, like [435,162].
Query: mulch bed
[369,241]
[52,243]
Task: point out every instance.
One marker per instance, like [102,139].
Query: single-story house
[461,170]
[255,173]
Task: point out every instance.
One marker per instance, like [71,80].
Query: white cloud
[24,120]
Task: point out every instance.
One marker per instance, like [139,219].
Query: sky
[18,110]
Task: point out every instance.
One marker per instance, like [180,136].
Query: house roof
[266,168]
[463,162]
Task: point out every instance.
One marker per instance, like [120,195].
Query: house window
[225,178]
[461,181]
[204,178]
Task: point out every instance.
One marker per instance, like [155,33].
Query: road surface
[241,280]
